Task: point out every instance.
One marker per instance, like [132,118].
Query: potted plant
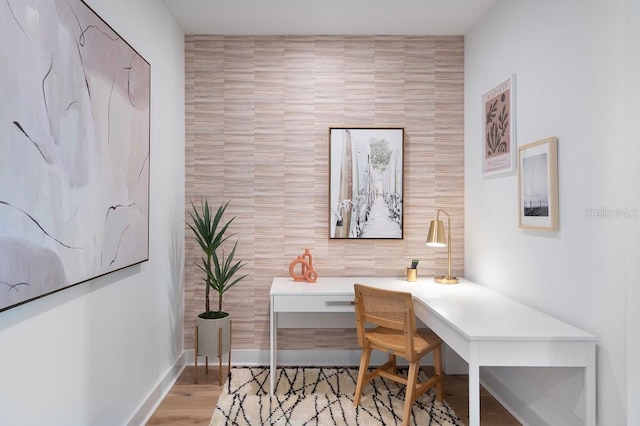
[213,333]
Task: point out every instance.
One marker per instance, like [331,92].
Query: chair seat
[395,340]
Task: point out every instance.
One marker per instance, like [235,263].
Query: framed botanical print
[499,137]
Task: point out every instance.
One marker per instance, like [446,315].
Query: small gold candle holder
[412,274]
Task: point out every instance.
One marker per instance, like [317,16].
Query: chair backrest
[385,308]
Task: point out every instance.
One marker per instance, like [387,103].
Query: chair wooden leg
[437,364]
[393,366]
[410,394]
[362,372]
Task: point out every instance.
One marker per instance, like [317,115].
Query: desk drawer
[320,303]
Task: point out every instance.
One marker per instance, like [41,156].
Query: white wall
[632,114]
[571,58]
[94,353]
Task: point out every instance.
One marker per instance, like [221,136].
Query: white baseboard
[149,406]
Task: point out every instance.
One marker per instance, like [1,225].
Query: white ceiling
[328,17]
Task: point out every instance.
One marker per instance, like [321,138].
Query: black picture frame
[366,183]
[74,199]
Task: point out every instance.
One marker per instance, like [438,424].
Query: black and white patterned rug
[321,396]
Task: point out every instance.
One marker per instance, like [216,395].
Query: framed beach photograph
[366,167]
[499,136]
[538,185]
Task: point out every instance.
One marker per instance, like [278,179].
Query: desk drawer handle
[340,302]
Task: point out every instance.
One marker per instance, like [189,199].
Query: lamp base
[446,280]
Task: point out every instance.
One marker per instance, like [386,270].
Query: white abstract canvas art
[74,149]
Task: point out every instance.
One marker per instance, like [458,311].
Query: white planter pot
[214,336]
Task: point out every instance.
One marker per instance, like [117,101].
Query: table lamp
[436,238]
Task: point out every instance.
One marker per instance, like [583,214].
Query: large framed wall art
[366,182]
[74,149]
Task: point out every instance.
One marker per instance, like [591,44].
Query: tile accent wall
[258,111]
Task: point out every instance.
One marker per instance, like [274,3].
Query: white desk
[484,327]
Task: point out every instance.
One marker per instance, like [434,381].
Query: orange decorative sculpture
[308,273]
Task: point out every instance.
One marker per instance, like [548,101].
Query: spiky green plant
[210,234]
[221,278]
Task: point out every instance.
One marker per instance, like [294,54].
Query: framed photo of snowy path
[538,185]
[366,170]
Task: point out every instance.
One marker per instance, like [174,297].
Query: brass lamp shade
[436,238]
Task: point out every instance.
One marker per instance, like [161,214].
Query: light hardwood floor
[191,404]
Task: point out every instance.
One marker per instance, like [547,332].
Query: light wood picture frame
[538,185]
[499,129]
[366,181]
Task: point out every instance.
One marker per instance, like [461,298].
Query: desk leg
[590,384]
[474,386]
[273,349]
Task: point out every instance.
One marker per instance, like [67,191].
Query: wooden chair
[395,332]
